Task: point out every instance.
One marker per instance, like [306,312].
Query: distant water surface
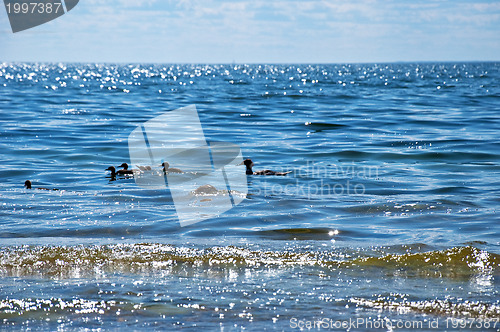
[390,212]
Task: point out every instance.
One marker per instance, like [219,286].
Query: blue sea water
[389,214]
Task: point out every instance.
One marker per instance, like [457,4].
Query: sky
[272,31]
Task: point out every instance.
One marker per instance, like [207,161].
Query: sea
[389,217]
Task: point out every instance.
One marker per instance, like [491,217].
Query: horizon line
[253,63]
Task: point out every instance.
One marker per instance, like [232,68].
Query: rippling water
[390,212]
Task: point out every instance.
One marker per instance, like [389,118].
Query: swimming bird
[249,171]
[27,185]
[167,168]
[125,170]
[114,172]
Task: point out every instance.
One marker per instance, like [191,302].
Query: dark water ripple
[404,157]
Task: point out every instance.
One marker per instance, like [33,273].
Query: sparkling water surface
[389,214]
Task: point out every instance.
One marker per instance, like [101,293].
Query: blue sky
[244,31]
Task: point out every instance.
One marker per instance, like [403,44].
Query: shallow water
[389,213]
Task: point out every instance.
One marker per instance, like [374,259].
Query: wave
[68,261]
[436,307]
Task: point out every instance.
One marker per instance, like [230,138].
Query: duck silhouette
[249,171]
[27,185]
[114,172]
[168,169]
[125,170]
